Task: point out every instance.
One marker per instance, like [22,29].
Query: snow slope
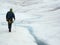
[37,22]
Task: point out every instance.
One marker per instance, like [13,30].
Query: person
[9,18]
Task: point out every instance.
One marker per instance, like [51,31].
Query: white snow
[37,22]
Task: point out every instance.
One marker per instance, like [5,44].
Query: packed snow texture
[37,22]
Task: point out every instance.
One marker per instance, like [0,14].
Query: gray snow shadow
[57,8]
[37,41]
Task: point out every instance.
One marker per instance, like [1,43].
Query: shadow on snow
[38,41]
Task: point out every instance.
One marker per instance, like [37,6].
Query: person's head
[10,9]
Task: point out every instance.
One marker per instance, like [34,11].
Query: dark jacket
[10,16]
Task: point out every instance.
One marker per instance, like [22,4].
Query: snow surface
[37,22]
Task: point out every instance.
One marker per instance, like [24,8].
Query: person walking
[9,18]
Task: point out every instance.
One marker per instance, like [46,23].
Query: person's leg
[9,26]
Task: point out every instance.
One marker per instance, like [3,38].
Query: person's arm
[14,16]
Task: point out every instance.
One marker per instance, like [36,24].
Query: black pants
[9,27]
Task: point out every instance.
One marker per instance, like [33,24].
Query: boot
[9,30]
